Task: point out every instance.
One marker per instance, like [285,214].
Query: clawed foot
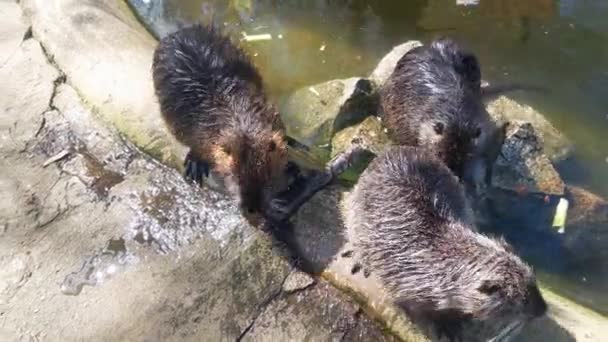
[346,159]
[195,169]
[278,210]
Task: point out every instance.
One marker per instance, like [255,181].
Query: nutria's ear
[489,287]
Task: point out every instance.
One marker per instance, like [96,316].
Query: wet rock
[522,165]
[297,281]
[317,112]
[555,145]
[387,64]
[370,134]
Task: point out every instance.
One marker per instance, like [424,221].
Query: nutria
[213,101]
[414,228]
[434,99]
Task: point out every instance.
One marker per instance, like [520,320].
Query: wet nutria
[434,99]
[413,226]
[212,98]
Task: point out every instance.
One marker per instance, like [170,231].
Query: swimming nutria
[212,98]
[413,226]
[434,99]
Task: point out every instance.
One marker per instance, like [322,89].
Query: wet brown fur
[213,101]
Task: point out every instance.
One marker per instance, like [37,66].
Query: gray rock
[522,166]
[387,64]
[370,134]
[314,114]
[555,145]
[297,281]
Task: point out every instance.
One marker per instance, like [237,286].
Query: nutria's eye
[227,150]
[477,132]
[272,146]
[438,127]
[489,287]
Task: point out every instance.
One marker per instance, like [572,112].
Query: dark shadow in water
[525,221]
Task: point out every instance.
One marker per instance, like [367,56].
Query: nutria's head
[493,289]
[468,147]
[253,165]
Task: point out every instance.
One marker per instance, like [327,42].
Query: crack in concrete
[262,307]
[356,320]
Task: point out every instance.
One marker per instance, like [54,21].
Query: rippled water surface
[559,44]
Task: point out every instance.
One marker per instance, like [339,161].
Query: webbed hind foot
[195,169]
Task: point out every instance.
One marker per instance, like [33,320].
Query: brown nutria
[434,99]
[413,227]
[213,101]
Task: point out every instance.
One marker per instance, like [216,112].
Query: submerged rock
[314,114]
[586,232]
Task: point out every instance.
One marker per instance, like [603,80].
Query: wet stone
[555,145]
[297,281]
[522,166]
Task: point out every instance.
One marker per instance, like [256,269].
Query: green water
[562,45]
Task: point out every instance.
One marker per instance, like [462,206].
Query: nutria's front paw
[278,210]
[195,169]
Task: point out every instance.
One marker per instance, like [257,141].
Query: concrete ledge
[107,56]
